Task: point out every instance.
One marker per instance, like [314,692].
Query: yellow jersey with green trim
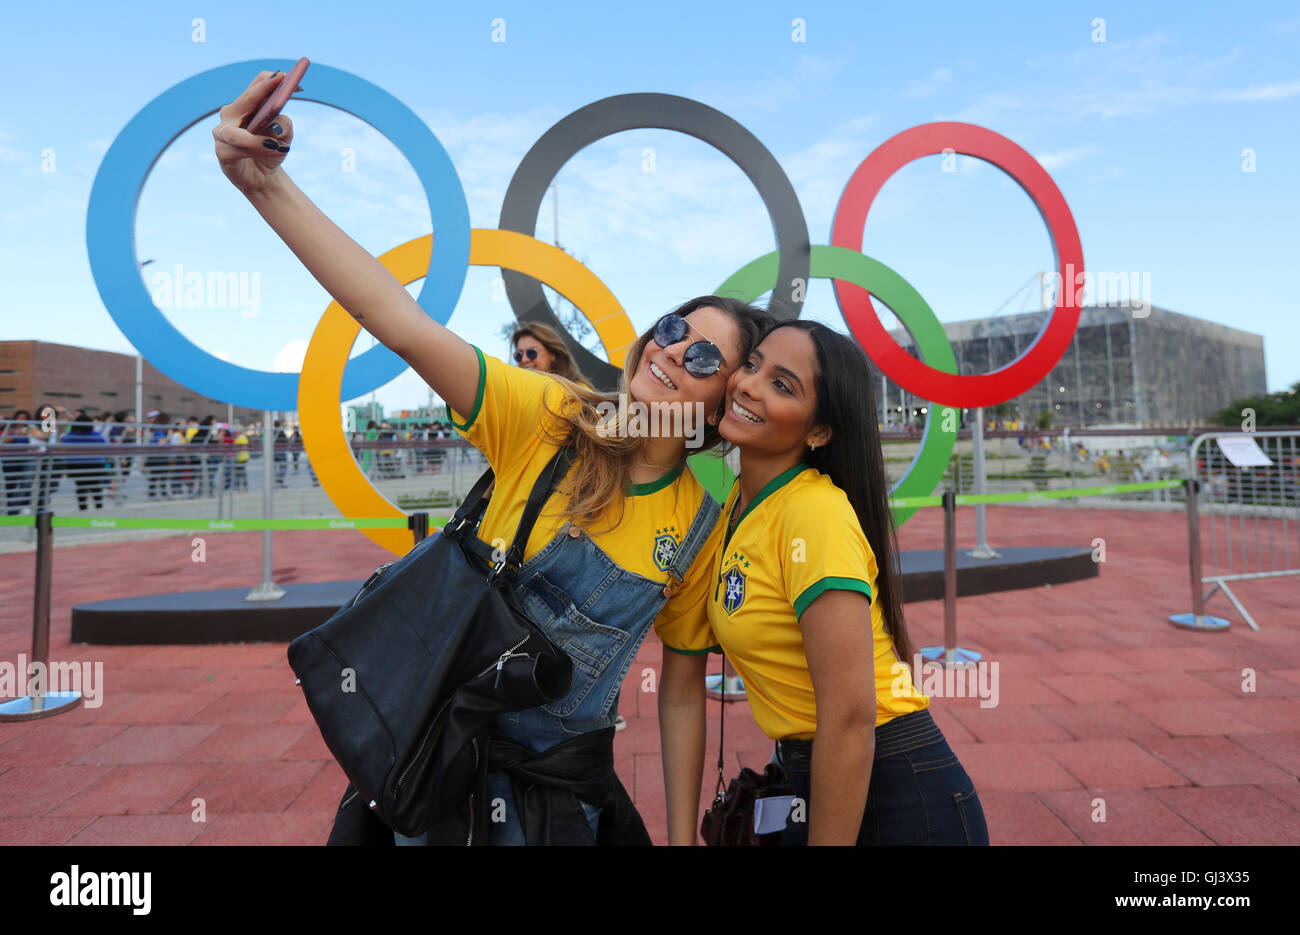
[798,539]
[509,424]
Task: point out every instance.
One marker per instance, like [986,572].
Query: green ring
[828,262]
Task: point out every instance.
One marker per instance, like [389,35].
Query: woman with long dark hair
[615,543]
[805,600]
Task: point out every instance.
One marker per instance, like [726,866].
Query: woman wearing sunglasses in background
[805,600]
[538,347]
[616,543]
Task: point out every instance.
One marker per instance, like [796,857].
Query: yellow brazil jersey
[506,424]
[798,539]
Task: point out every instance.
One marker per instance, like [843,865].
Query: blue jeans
[599,614]
[919,792]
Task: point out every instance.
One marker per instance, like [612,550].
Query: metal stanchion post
[950,653]
[40,703]
[982,548]
[1069,464]
[418,523]
[267,590]
[1197,619]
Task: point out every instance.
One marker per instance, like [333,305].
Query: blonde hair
[602,467]
[549,338]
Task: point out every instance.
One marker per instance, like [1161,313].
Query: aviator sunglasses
[531,354]
[702,359]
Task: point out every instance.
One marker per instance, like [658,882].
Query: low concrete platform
[209,616]
[224,616]
[1014,569]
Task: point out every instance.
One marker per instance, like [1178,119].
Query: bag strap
[541,492]
[472,507]
[475,502]
[721,791]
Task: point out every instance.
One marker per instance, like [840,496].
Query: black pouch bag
[729,821]
[405,681]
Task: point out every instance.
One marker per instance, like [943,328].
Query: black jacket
[547,788]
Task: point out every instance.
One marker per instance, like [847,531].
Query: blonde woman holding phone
[615,547]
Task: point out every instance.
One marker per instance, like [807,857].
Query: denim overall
[599,614]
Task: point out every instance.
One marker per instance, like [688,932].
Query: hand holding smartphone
[277,97]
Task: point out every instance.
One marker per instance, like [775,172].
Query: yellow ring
[321,380]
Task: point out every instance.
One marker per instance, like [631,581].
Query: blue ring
[110,228]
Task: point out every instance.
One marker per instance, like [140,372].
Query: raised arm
[355,279]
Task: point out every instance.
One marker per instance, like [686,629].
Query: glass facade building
[1163,368]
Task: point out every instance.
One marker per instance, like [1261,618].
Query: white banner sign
[1242,451]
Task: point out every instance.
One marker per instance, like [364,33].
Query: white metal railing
[1252,515]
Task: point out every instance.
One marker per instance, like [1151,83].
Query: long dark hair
[854,462]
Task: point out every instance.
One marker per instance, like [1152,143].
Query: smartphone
[277,98]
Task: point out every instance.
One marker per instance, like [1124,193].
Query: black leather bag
[729,821]
[406,680]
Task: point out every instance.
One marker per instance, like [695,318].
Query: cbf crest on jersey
[735,596]
[665,547]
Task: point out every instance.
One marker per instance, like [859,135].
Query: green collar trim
[640,490]
[769,488]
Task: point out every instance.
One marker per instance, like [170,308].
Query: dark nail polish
[276,129]
[284,149]
[270,144]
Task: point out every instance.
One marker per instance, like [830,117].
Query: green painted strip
[235,525]
[1066,492]
[17,520]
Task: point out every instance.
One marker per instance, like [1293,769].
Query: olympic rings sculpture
[328,375]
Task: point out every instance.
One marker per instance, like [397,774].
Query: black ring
[523,200]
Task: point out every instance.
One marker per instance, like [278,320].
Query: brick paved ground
[1099,697]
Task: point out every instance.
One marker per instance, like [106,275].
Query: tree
[1044,420]
[1280,408]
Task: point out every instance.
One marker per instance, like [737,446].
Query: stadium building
[39,373]
[1163,368]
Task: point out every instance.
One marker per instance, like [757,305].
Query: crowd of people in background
[196,457]
[388,463]
[97,474]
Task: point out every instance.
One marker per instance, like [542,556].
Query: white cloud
[1065,157]
[291,356]
[809,76]
[1269,92]
[940,79]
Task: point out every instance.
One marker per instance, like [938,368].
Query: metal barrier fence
[222,479]
[1252,515]
[1034,460]
[1031,460]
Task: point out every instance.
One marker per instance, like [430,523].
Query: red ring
[948,389]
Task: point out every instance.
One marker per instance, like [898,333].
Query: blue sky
[1144,133]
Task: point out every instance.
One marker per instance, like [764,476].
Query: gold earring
[812,447]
